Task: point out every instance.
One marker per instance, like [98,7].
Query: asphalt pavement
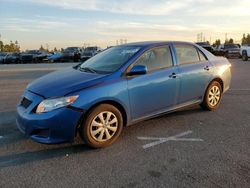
[188,148]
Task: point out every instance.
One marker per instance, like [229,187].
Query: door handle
[173,75]
[206,68]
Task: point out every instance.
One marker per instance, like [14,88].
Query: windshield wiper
[87,69]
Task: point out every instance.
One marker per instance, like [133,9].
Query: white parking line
[171,138]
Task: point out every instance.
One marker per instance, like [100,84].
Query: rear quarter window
[202,56]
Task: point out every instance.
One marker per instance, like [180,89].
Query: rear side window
[187,54]
[157,58]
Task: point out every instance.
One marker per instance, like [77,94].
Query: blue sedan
[118,87]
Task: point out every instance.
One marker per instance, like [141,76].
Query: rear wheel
[102,127]
[212,96]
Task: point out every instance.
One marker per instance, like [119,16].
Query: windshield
[3,54]
[32,52]
[91,49]
[231,46]
[203,43]
[71,49]
[109,60]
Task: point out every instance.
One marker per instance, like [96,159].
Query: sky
[62,23]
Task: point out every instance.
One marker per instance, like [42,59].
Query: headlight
[52,104]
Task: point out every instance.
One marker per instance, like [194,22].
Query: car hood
[61,83]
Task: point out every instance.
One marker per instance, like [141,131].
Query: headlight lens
[52,104]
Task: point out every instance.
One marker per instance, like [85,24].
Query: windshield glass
[90,49]
[71,49]
[3,54]
[32,52]
[203,43]
[231,46]
[110,60]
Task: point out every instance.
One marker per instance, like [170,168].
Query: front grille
[25,102]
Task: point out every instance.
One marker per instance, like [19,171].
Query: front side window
[155,59]
[187,54]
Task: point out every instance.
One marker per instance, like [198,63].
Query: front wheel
[102,126]
[212,96]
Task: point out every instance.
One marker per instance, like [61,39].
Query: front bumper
[234,54]
[50,128]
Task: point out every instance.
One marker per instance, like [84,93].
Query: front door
[157,90]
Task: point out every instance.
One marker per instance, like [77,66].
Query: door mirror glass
[138,70]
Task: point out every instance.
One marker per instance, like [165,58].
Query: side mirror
[138,70]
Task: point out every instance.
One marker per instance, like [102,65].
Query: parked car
[207,46]
[119,87]
[228,50]
[33,56]
[90,52]
[56,57]
[245,52]
[72,54]
[12,58]
[2,57]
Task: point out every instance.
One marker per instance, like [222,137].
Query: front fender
[112,90]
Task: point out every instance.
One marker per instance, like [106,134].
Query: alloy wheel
[104,126]
[214,96]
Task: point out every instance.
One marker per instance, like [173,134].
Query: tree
[230,41]
[245,39]
[217,43]
[42,48]
[1,46]
[55,49]
[17,46]
[11,47]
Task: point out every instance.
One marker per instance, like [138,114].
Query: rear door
[194,72]
[157,90]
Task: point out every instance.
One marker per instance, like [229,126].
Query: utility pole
[47,46]
[200,37]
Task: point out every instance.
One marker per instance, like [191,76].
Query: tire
[244,56]
[94,129]
[212,96]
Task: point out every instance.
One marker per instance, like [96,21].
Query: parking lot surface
[188,148]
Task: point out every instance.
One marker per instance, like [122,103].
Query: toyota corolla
[119,87]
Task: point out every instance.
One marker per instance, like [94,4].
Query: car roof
[155,43]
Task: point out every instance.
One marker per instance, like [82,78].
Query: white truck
[245,52]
